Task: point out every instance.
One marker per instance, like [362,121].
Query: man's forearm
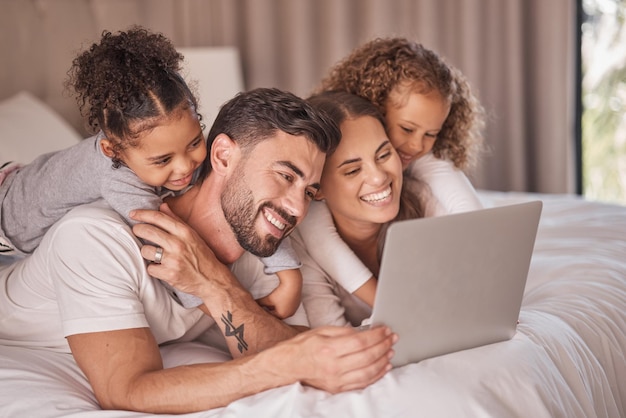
[124,368]
[335,359]
[191,267]
[247,327]
[207,386]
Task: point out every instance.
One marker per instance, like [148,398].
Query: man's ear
[107,147]
[223,150]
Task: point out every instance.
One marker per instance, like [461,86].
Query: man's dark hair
[253,116]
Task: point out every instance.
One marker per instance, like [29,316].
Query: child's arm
[333,255]
[448,185]
[125,192]
[285,299]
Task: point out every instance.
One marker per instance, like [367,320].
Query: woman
[432,117]
[433,121]
[362,186]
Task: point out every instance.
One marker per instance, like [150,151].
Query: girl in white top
[432,120]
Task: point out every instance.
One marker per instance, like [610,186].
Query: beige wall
[518,54]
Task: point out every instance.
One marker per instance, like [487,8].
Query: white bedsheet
[566,360]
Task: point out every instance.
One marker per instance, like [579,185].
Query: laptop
[455,282]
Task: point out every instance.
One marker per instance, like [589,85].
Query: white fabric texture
[88,276]
[450,187]
[568,358]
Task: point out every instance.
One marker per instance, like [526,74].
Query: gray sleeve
[285,258]
[124,191]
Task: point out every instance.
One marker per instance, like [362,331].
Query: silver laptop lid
[455,282]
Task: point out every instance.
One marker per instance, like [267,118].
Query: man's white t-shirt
[88,275]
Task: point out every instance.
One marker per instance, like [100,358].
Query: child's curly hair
[376,68]
[127,82]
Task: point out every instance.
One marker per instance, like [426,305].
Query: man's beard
[238,206]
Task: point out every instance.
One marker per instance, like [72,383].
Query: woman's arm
[329,251]
[367,292]
[325,301]
[320,297]
[449,186]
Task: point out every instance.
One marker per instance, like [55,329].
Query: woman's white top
[330,268]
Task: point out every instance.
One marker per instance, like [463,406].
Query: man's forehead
[295,152]
[282,143]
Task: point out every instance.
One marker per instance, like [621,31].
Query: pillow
[29,127]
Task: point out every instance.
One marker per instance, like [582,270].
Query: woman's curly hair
[127,82]
[376,68]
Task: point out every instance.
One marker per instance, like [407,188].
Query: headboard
[40,38]
[214,73]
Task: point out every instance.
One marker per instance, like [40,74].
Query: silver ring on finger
[158,255]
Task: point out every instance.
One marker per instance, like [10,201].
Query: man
[265,161]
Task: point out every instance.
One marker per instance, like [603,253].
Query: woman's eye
[407,130]
[352,172]
[431,135]
[384,155]
[196,143]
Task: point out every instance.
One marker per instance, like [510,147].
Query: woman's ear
[319,195]
[223,150]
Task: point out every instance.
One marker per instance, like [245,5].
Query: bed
[566,360]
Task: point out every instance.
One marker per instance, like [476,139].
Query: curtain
[518,55]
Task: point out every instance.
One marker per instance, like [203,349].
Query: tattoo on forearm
[232,331]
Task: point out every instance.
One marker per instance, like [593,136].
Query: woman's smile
[381,197]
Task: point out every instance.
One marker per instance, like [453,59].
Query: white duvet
[566,360]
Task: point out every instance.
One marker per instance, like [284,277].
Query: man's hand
[187,262]
[338,359]
[190,265]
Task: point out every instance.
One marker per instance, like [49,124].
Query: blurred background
[604,100]
[523,58]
